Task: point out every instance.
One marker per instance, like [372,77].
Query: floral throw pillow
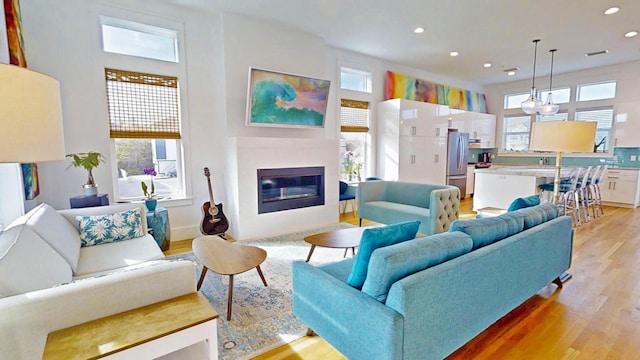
[108,228]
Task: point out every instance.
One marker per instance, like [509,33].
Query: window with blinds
[142,105]
[604,117]
[354,116]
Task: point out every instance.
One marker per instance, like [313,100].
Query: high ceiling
[496,31]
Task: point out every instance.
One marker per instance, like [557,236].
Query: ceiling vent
[597,53]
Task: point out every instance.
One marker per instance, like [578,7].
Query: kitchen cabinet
[470,179]
[412,138]
[620,187]
[627,125]
[479,126]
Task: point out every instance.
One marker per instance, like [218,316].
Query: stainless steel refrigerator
[457,157]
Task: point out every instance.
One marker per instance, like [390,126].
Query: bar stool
[595,198]
[582,190]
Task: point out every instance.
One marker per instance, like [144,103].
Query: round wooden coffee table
[340,239]
[227,258]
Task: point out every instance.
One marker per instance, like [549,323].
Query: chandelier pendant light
[549,108]
[532,105]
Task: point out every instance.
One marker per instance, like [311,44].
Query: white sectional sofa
[48,281]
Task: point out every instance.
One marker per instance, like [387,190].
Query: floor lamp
[30,117]
[559,137]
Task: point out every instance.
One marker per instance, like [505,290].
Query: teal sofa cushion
[521,203]
[375,238]
[536,215]
[392,263]
[486,231]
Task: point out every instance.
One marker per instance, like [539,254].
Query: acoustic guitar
[213,221]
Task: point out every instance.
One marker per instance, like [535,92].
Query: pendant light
[533,104]
[549,108]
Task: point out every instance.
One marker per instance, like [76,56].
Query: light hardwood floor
[595,316]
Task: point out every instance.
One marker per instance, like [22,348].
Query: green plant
[88,161]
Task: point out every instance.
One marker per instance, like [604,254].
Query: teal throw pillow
[521,203]
[108,228]
[375,238]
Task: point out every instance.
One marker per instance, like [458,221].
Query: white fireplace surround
[253,153]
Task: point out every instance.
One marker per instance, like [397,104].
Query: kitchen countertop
[537,171]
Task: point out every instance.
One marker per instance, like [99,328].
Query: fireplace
[290,188]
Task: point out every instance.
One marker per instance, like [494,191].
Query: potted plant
[88,161]
[149,192]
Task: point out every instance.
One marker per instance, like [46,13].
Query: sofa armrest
[351,321]
[444,207]
[28,318]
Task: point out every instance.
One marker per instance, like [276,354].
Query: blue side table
[159,228]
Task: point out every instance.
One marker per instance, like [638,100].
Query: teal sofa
[441,290]
[389,202]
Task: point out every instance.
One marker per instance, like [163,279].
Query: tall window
[516,132]
[604,118]
[354,125]
[144,120]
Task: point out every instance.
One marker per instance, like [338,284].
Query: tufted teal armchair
[388,202]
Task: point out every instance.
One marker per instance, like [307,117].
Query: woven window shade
[354,116]
[142,105]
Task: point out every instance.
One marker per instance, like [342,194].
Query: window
[356,80]
[354,125]
[604,117]
[135,39]
[597,91]
[516,132]
[513,101]
[560,96]
[144,120]
[555,117]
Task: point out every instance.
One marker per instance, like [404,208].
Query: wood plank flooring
[595,316]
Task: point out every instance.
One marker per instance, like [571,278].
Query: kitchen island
[497,187]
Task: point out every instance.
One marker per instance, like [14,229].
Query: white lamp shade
[564,136]
[30,116]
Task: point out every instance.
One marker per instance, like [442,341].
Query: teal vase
[151,204]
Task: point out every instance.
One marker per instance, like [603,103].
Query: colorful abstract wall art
[30,179]
[278,99]
[405,87]
[14,33]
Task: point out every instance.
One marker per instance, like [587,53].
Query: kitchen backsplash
[622,157]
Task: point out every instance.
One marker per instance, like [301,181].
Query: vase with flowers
[149,192]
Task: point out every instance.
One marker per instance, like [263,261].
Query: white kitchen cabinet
[627,125]
[470,179]
[408,148]
[620,187]
[479,126]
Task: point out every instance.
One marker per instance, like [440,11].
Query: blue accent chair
[346,195]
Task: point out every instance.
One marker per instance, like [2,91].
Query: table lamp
[30,116]
[562,136]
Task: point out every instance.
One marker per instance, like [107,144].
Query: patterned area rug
[262,317]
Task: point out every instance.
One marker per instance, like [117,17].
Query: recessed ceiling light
[631,34]
[611,10]
[511,71]
[454,53]
[487,65]
[418,30]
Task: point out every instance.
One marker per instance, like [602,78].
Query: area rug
[262,317]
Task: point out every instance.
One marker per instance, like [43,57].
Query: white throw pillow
[55,230]
[28,263]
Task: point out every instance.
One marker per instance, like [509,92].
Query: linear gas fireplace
[290,188]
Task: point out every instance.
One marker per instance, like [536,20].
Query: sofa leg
[562,279]
[310,332]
